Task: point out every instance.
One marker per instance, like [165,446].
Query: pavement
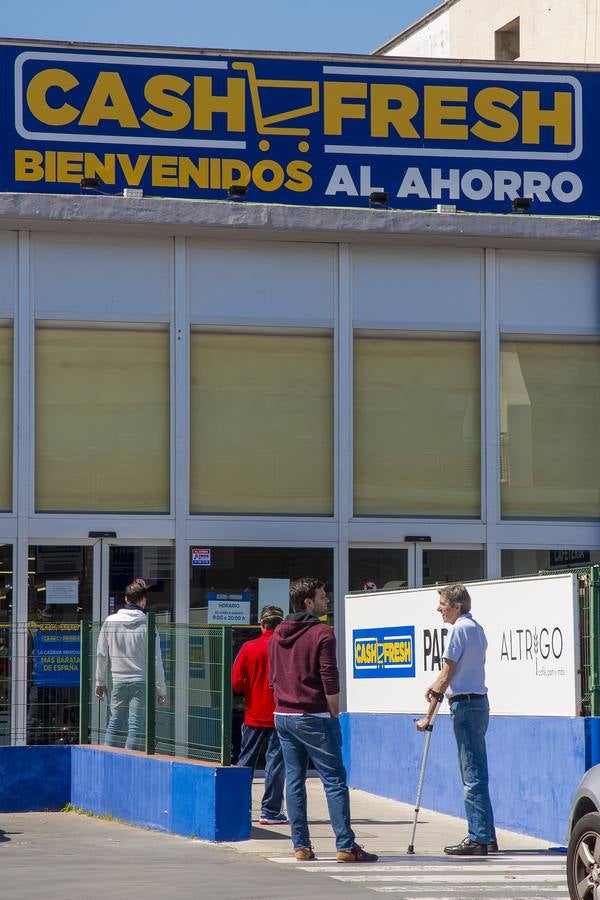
[381,825]
[65,856]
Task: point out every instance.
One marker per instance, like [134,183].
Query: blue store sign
[56,656]
[300,131]
[384,652]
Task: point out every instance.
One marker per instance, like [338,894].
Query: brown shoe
[356,854]
[304,854]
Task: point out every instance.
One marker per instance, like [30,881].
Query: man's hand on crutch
[426,723]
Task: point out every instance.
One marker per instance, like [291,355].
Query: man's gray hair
[456,595]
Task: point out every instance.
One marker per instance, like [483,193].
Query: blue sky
[337,26]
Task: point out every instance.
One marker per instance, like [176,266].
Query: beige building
[528,30]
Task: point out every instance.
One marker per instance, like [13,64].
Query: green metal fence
[196,720]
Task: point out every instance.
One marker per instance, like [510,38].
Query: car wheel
[583,859]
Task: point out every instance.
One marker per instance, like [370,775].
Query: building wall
[431,40]
[562,32]
[352,282]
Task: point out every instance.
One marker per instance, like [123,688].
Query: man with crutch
[463,677]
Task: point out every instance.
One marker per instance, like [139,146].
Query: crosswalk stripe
[374,868]
[521,892]
[533,876]
[444,879]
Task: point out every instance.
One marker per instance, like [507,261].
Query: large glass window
[6,414]
[550,429]
[251,577]
[6,643]
[416,426]
[448,566]
[60,585]
[102,419]
[261,423]
[529,562]
[373,569]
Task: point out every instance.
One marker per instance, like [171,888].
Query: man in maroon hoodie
[306,684]
[250,677]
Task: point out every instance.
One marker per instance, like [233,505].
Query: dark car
[583,857]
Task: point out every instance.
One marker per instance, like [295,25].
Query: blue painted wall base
[195,800]
[209,802]
[535,765]
[34,779]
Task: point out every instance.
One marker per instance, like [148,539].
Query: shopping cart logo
[268,92]
[384,652]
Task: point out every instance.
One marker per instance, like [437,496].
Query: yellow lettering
[108,101]
[400,116]
[298,178]
[28,165]
[104,170]
[440,112]
[37,100]
[133,173]
[193,171]
[232,104]
[494,105]
[559,118]
[336,110]
[164,171]
[69,167]
[159,91]
[235,171]
[260,170]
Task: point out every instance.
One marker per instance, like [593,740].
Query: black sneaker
[492,846]
[467,848]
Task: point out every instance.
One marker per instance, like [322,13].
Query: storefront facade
[221,395]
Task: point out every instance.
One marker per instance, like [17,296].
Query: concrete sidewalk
[382,826]
[62,856]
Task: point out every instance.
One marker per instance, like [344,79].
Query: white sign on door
[394,644]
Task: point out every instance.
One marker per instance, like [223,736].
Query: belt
[456,697]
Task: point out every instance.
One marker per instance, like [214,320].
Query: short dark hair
[456,595]
[303,589]
[136,591]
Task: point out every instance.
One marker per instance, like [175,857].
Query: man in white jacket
[122,640]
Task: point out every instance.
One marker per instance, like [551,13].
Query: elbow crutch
[433,711]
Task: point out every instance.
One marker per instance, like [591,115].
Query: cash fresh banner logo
[384,652]
[303,131]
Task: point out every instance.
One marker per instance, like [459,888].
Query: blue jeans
[305,738]
[470,719]
[126,727]
[253,741]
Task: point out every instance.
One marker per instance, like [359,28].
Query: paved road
[63,856]
[526,876]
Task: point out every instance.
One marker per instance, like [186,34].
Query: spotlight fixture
[89,184]
[237,191]
[521,204]
[378,199]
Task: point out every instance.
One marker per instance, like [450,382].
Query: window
[416,426]
[255,577]
[529,562]
[102,419]
[261,423]
[6,415]
[550,429]
[507,41]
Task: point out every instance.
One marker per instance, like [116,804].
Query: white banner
[394,643]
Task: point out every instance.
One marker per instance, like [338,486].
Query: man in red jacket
[306,684]
[250,677]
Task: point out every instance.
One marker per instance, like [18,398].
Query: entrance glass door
[60,594]
[120,565]
[448,564]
